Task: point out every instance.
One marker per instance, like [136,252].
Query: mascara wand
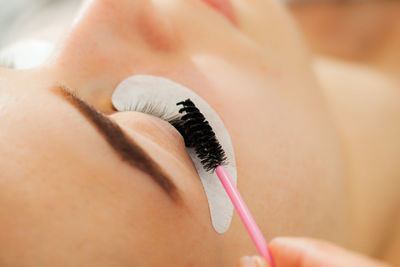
[199,135]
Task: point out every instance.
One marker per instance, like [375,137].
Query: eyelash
[157,109]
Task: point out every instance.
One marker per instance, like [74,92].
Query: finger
[296,252]
[255,261]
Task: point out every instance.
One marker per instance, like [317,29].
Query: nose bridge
[110,40]
[157,30]
[121,8]
[132,20]
[115,16]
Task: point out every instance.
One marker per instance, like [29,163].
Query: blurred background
[32,25]
[363,31]
[360,31]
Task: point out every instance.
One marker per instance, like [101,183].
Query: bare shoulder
[365,107]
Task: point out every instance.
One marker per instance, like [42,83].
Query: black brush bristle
[199,135]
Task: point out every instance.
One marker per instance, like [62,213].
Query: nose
[136,21]
[110,40]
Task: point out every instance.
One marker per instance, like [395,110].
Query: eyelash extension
[191,124]
[160,110]
[157,109]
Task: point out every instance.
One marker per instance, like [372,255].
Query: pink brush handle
[244,214]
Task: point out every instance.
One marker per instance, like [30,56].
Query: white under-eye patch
[158,96]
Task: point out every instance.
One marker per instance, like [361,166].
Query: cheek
[158,233]
[145,227]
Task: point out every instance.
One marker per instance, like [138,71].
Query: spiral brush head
[199,135]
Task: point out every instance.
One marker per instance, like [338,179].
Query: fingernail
[255,261]
[260,262]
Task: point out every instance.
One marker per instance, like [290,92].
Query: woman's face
[71,197]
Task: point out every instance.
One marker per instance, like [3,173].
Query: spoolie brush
[199,135]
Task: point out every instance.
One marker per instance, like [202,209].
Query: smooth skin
[68,200]
[306,252]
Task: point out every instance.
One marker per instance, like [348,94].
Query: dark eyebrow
[128,150]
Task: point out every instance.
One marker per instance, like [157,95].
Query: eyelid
[129,151]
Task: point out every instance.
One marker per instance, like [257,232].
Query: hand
[305,252]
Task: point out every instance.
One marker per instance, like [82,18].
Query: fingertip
[261,262]
[282,242]
[294,242]
[287,251]
[254,261]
